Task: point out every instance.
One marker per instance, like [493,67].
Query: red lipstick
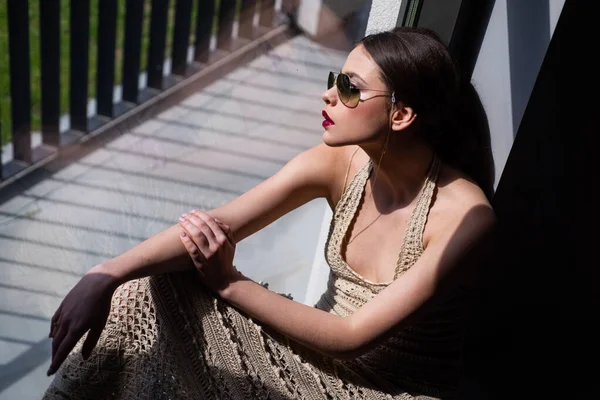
[328,121]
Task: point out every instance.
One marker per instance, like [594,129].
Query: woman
[388,324]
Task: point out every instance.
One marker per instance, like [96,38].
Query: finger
[218,221]
[52,330]
[194,233]
[202,235]
[207,215]
[90,342]
[222,224]
[196,247]
[217,231]
[55,321]
[56,314]
[63,351]
[229,233]
[56,325]
[62,330]
[226,229]
[192,249]
[204,227]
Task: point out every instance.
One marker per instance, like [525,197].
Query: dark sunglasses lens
[343,84]
[330,80]
[349,96]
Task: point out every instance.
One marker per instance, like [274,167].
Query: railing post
[132,50]
[27,158]
[107,36]
[289,6]
[181,36]
[50,70]
[247,12]
[156,51]
[204,23]
[412,12]
[20,84]
[226,17]
[79,62]
[267,13]
[1,169]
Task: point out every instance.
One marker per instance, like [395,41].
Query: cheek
[367,117]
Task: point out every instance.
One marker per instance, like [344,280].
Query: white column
[384,15]
[308,16]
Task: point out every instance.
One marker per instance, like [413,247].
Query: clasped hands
[211,247]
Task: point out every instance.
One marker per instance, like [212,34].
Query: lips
[328,121]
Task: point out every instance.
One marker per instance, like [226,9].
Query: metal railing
[219,27]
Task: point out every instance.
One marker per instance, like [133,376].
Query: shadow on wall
[342,23]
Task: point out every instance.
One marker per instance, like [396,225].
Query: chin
[332,141]
[335,140]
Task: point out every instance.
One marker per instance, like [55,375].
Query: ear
[402,117]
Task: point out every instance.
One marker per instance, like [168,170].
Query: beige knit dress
[166,338]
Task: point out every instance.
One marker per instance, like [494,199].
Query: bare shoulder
[321,160]
[460,206]
[333,166]
[321,166]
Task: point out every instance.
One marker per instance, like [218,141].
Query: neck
[399,177]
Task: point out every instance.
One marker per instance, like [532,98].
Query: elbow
[348,342]
[350,353]
[347,355]
[350,349]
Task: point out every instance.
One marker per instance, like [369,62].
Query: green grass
[34,43]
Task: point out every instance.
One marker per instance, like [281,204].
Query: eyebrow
[355,75]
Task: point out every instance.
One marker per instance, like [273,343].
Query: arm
[306,177]
[350,337]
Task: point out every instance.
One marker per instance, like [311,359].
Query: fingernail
[49,372]
[184,215]
[181,219]
[218,220]
[193,211]
[183,234]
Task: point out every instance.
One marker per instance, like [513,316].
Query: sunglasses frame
[353,98]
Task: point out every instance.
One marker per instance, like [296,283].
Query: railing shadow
[30,359]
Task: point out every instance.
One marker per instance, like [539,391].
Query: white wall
[491,78]
[322,17]
[383,15]
[512,52]
[308,15]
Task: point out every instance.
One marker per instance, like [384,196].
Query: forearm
[324,332]
[161,253]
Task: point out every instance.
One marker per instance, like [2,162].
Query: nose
[330,96]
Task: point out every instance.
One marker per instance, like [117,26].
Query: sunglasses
[350,94]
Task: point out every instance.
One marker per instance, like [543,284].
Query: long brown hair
[418,67]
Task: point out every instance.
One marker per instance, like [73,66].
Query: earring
[394,97]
